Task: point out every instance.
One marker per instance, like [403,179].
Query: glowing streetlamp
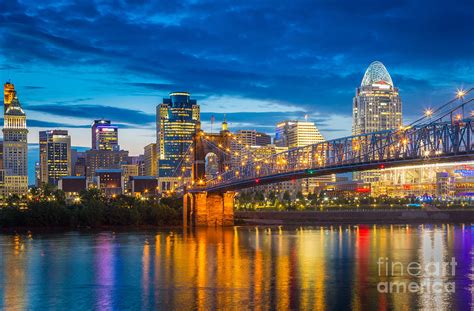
[460,93]
[428,112]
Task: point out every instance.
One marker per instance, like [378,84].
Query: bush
[93,211]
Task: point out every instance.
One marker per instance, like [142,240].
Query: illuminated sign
[107,129]
[465,172]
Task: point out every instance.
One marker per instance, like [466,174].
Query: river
[313,268]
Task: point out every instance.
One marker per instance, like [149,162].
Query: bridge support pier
[208,209]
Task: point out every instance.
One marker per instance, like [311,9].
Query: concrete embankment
[353,217]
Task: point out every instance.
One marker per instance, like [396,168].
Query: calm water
[237,268]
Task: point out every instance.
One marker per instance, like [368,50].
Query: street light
[428,112]
[460,93]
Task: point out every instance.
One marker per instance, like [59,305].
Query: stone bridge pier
[208,209]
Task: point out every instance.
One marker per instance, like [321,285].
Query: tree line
[47,207]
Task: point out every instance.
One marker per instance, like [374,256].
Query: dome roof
[376,73]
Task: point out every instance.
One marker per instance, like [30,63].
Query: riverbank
[353,217]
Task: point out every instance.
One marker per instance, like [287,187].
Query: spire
[15,108]
[224,124]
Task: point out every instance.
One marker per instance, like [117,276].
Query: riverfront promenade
[354,217]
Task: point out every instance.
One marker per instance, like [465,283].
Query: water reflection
[315,268]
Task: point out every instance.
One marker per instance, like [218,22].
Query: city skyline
[266,62]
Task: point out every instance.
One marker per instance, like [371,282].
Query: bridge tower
[202,208]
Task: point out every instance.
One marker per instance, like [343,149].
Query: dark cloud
[310,54]
[118,115]
[33,87]
[52,125]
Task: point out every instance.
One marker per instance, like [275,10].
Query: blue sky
[257,61]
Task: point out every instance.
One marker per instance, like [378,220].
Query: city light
[460,93]
[428,112]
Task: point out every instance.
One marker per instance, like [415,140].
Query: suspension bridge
[442,134]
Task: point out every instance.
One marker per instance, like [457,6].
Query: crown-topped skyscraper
[377,106]
[15,144]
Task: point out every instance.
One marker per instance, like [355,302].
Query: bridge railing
[434,136]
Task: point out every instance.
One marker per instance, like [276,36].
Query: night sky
[259,61]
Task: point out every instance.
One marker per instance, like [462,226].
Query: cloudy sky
[257,61]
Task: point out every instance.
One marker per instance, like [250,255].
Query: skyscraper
[377,106]
[253,138]
[150,159]
[303,133]
[15,145]
[293,134]
[55,155]
[262,139]
[104,135]
[104,159]
[176,120]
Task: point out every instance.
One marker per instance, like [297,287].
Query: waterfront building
[150,160]
[176,120]
[104,135]
[128,170]
[15,144]
[109,181]
[104,159]
[145,186]
[55,156]
[377,106]
[445,180]
[72,186]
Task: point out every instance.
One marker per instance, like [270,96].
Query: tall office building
[377,106]
[55,156]
[281,133]
[15,145]
[128,170]
[293,134]
[150,160]
[247,137]
[253,138]
[262,139]
[176,120]
[104,159]
[104,135]
[303,133]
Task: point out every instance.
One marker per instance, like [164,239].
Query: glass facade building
[376,106]
[176,119]
[55,155]
[104,135]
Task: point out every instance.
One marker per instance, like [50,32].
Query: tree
[286,196]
